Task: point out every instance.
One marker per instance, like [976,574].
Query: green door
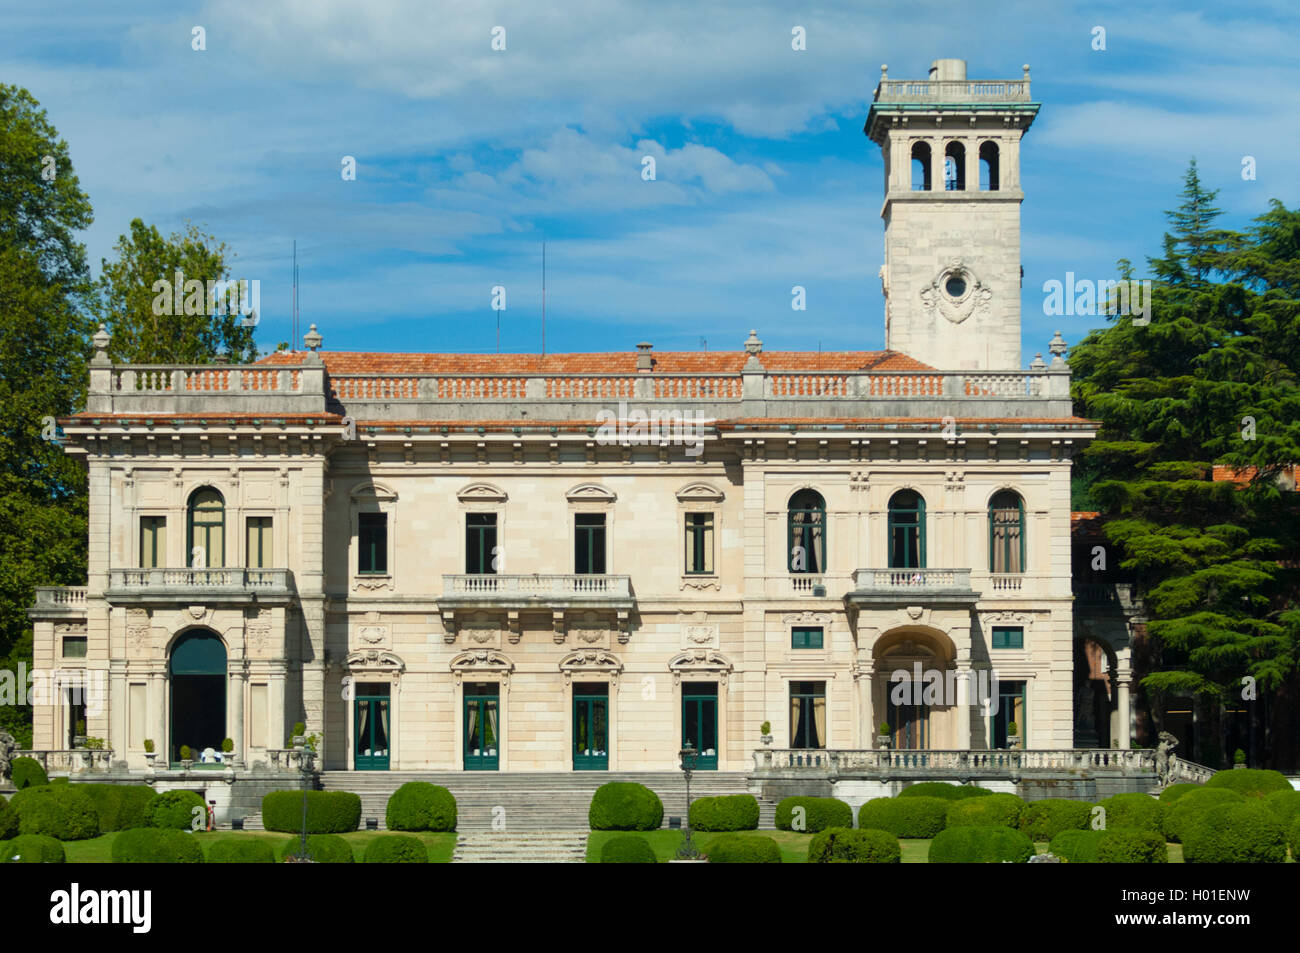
[482,728]
[590,728]
[372,721]
[700,722]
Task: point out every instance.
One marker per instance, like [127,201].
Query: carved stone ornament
[939,294]
[701,634]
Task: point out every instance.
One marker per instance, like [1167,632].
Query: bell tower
[952,273]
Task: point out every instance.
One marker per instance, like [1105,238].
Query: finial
[752,344]
[101,341]
[1038,364]
[312,339]
[1025,67]
[1058,347]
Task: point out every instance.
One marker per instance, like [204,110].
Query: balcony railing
[911,581]
[953,91]
[60,597]
[889,763]
[494,586]
[214,583]
[71,761]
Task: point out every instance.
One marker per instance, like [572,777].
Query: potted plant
[1239,759]
[79,734]
[885,736]
[186,760]
[149,753]
[1013,735]
[765,732]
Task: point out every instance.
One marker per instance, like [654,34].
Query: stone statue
[7,748]
[1164,758]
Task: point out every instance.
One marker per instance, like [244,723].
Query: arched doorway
[915,691]
[198,693]
[1093,704]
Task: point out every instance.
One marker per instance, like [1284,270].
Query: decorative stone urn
[766,739]
[1013,742]
[883,741]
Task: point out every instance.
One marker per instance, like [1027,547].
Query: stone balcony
[556,593]
[59,603]
[874,588]
[953,765]
[215,586]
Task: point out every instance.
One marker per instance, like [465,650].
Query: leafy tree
[141,289]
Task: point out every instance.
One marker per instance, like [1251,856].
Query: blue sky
[467,157]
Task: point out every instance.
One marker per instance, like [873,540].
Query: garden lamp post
[304,763]
[690,757]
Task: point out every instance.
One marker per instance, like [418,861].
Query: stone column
[235,706]
[936,163]
[963,703]
[1124,715]
[866,726]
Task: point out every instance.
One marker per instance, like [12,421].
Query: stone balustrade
[60,597]
[217,584]
[956,765]
[72,760]
[953,91]
[522,586]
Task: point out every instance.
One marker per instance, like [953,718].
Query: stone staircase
[529,847]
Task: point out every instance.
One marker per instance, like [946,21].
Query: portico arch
[915,687]
[196,669]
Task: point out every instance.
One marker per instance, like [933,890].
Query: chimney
[644,362]
[948,70]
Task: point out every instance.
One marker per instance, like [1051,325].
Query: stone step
[515,848]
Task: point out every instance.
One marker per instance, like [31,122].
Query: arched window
[989,167]
[807,532]
[921,167]
[1006,532]
[206,534]
[954,167]
[906,530]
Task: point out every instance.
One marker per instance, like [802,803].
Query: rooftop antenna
[294,309]
[543,299]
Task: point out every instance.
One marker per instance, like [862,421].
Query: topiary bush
[838,845]
[625,806]
[1132,847]
[27,772]
[1285,805]
[120,806]
[241,850]
[154,845]
[819,813]
[328,812]
[61,811]
[396,849]
[1175,791]
[627,849]
[734,849]
[321,848]
[980,845]
[32,849]
[1077,847]
[8,821]
[1190,806]
[921,817]
[996,810]
[1134,812]
[730,812]
[950,792]
[177,811]
[1293,840]
[1250,782]
[1235,833]
[1043,820]
[421,806]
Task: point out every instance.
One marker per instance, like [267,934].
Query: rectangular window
[480,543]
[807,714]
[74,646]
[153,542]
[699,542]
[807,638]
[1008,637]
[372,543]
[258,542]
[1011,710]
[589,543]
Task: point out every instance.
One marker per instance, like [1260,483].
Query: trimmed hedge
[27,772]
[421,806]
[1187,808]
[1077,847]
[32,849]
[328,812]
[1134,812]
[627,849]
[321,848]
[176,811]
[120,806]
[1250,782]
[241,850]
[819,813]
[1285,806]
[1236,833]
[729,812]
[980,845]
[839,845]
[1293,840]
[1175,791]
[8,821]
[996,810]
[1132,847]
[60,811]
[625,806]
[153,845]
[734,849]
[1043,820]
[921,817]
[949,792]
[396,849]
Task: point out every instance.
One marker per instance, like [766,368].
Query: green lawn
[98,850]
